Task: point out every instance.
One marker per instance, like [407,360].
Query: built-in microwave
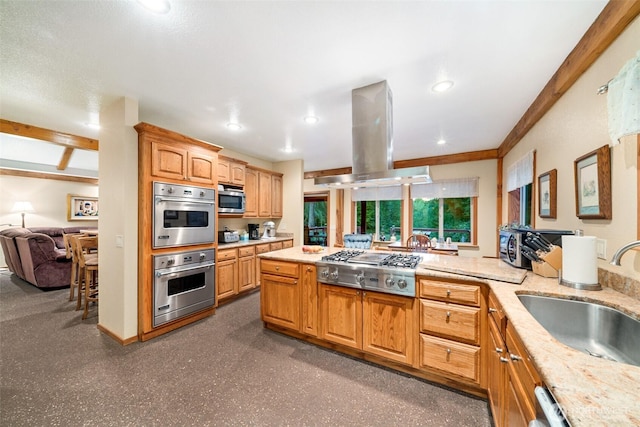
[231,200]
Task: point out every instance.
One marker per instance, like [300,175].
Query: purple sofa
[38,255]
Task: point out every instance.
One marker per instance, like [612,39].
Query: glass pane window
[381,218]
[443,218]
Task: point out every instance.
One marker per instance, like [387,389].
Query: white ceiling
[267,64]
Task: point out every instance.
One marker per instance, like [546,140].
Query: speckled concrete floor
[227,370]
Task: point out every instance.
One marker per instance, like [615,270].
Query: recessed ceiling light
[311,120]
[442,86]
[156,6]
[441,142]
[233,126]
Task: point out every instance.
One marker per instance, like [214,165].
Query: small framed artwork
[547,199]
[593,184]
[82,208]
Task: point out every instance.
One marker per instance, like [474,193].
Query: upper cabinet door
[276,198]
[237,174]
[264,194]
[201,167]
[168,161]
[223,170]
[251,193]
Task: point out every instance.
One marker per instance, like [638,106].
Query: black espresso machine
[254,231]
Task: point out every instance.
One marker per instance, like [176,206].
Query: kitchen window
[378,211]
[520,190]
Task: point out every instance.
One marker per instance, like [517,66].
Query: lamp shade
[22,207]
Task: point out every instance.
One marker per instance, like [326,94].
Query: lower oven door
[182,290]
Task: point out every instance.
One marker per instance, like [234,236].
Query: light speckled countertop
[242,243]
[591,391]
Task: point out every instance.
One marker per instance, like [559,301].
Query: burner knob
[389,282]
[402,283]
[334,275]
[324,273]
[360,278]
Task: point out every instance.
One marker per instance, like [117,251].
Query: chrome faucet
[616,257]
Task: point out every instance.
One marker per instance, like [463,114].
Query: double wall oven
[184,279]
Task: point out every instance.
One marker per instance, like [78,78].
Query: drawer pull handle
[515,357]
[448,351]
[504,360]
[492,310]
[498,350]
[448,315]
[448,292]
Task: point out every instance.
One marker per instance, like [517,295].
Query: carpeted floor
[227,370]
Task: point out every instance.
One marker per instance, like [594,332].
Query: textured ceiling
[267,64]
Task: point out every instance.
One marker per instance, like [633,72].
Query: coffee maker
[254,231]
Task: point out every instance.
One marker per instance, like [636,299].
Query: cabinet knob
[448,351]
[308,268]
[498,350]
[277,268]
[492,310]
[448,315]
[515,357]
[504,360]
[448,292]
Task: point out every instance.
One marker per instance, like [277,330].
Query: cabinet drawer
[246,251]
[276,246]
[450,356]
[287,244]
[450,292]
[280,268]
[261,249]
[227,254]
[456,321]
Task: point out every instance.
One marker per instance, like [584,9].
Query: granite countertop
[242,243]
[591,391]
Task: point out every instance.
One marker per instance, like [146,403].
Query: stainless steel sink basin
[591,328]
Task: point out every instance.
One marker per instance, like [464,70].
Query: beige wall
[576,125]
[49,200]
[485,170]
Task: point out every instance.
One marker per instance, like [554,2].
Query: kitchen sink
[588,327]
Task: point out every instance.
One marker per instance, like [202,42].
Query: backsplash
[617,282]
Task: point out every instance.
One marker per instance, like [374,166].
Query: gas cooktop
[392,273]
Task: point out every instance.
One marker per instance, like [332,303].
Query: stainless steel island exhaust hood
[372,144]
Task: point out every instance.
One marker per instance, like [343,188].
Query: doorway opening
[316,218]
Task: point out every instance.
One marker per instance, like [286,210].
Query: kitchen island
[590,390]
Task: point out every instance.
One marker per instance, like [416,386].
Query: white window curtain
[462,187]
[520,173]
[387,192]
[623,101]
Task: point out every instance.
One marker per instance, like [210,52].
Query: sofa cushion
[54,232]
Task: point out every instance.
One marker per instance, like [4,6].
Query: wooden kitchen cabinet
[260,249]
[276,195]
[264,194]
[512,377]
[227,268]
[246,268]
[309,300]
[374,322]
[182,162]
[287,244]
[276,246]
[280,293]
[340,315]
[251,192]
[231,171]
[452,328]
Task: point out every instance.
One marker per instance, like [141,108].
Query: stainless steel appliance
[519,245]
[269,230]
[231,200]
[254,231]
[392,273]
[183,215]
[184,283]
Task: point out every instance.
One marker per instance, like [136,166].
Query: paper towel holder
[576,285]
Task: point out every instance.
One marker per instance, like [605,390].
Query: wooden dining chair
[86,251]
[418,243]
[75,280]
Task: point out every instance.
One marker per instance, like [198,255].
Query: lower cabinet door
[280,298]
[340,315]
[388,326]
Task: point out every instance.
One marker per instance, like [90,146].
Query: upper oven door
[231,202]
[183,220]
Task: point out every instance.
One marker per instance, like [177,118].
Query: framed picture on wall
[82,208]
[593,184]
[547,199]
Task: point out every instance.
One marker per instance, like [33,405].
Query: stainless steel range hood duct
[372,143]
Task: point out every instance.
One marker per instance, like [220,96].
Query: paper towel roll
[579,260]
